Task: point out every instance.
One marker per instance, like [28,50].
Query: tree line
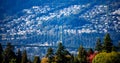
[104,52]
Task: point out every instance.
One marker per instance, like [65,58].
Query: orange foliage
[91,57]
[44,60]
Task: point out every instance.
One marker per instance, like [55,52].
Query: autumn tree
[90,51]
[112,57]
[98,46]
[107,45]
[44,60]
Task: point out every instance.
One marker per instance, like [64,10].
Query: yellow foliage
[113,57]
[68,56]
[44,60]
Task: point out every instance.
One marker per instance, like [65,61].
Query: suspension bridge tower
[60,34]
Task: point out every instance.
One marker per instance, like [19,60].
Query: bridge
[41,46]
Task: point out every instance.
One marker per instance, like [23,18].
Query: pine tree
[36,59]
[1,51]
[114,48]
[82,55]
[98,46]
[76,60]
[107,43]
[8,53]
[24,57]
[61,54]
[50,55]
[119,45]
[19,56]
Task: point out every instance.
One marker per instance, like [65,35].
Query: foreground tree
[76,60]
[113,57]
[9,54]
[119,46]
[107,43]
[19,56]
[36,59]
[90,51]
[114,48]
[82,55]
[50,55]
[24,57]
[62,54]
[44,60]
[98,46]
[1,51]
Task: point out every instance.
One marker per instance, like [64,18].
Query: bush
[113,57]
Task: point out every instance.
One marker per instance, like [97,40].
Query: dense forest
[104,52]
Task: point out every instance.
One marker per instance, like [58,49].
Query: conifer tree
[76,60]
[119,45]
[50,55]
[9,53]
[114,48]
[61,54]
[98,46]
[24,57]
[36,59]
[1,51]
[107,43]
[19,56]
[82,55]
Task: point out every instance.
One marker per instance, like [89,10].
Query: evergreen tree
[61,54]
[82,55]
[36,59]
[114,48]
[98,46]
[76,60]
[1,51]
[107,43]
[9,53]
[19,56]
[24,57]
[50,55]
[119,45]
[72,59]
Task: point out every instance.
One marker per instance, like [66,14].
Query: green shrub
[113,57]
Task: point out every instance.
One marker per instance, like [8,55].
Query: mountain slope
[40,22]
